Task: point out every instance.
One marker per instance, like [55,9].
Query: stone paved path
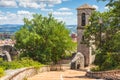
[61,75]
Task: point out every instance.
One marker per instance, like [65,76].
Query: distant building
[5,35]
[7,42]
[74,37]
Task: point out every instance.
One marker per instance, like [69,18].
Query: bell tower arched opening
[83,19]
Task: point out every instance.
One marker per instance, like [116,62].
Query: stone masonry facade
[83,14]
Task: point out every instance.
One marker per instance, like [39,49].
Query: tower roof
[85,6]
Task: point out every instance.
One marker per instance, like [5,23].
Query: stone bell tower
[83,15]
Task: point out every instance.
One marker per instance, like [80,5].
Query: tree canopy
[106,36]
[43,39]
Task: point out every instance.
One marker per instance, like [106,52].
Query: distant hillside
[10,28]
[72,28]
[14,27]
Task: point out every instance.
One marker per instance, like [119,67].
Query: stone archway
[7,55]
[8,52]
[78,61]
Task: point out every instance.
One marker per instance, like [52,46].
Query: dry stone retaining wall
[112,75]
[23,73]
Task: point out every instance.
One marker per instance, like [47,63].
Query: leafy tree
[106,37]
[43,39]
[112,61]
[114,6]
[99,32]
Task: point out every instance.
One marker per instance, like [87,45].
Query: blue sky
[13,11]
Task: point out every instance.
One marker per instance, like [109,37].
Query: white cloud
[65,16]
[62,13]
[8,3]
[68,20]
[64,9]
[39,3]
[49,10]
[53,1]
[23,12]
[1,12]
[95,6]
[3,18]
[60,18]
[15,18]
[65,0]
[50,5]
[106,8]
[42,5]
[30,3]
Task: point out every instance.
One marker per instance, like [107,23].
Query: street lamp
[100,22]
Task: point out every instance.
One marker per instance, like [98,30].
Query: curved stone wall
[112,75]
[23,73]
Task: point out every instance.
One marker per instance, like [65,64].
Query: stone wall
[112,75]
[23,73]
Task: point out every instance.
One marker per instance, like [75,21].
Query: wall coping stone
[10,74]
[112,74]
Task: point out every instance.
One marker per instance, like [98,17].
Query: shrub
[29,62]
[1,72]
[118,67]
[112,61]
[97,68]
[24,62]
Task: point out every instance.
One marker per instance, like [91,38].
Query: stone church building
[86,58]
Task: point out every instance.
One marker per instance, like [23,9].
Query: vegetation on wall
[1,72]
[23,62]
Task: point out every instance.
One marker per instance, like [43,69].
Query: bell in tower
[83,14]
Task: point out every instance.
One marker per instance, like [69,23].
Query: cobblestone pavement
[61,75]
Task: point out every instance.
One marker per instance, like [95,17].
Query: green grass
[24,62]
[1,72]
